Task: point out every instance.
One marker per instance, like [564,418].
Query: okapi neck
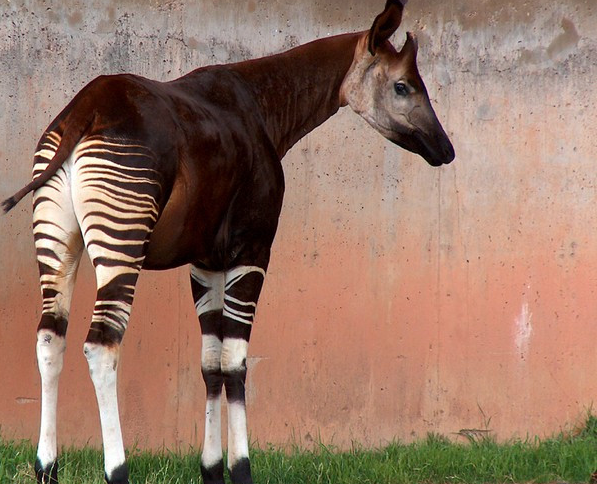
[299,89]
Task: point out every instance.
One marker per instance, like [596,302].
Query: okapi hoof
[593,479]
[120,475]
[47,474]
[213,474]
[241,472]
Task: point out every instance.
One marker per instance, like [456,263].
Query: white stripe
[99,149]
[109,174]
[53,136]
[238,443]
[239,313]
[47,153]
[228,314]
[212,443]
[234,275]
[91,142]
[238,301]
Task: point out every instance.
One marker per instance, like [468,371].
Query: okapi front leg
[243,285]
[208,295]
[225,304]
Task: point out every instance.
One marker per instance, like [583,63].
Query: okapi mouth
[436,151]
[435,148]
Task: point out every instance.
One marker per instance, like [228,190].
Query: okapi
[152,175]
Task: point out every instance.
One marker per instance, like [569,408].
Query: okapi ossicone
[153,175]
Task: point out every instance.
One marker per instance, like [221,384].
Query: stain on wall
[401,299]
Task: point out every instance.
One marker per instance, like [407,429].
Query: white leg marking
[238,442]
[241,317]
[212,444]
[238,301]
[233,275]
[103,364]
[234,353]
[50,356]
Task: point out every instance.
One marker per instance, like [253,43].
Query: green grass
[570,457]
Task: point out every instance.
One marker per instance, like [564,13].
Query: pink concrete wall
[401,299]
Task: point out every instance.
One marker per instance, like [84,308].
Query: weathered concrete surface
[401,299]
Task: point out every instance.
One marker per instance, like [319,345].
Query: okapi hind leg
[59,245]
[102,350]
[116,198]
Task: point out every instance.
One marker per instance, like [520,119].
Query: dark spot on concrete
[75,19]
[564,43]
[530,56]
[485,112]
[192,43]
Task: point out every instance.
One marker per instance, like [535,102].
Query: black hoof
[241,472]
[47,474]
[120,475]
[213,474]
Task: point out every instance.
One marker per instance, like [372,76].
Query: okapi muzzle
[418,130]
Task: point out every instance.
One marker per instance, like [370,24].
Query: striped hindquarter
[104,197]
[225,303]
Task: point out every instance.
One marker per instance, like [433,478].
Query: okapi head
[384,86]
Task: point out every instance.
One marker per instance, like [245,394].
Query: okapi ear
[410,48]
[385,24]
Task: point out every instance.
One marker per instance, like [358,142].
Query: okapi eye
[401,89]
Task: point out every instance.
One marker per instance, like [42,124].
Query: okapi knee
[234,368]
[211,370]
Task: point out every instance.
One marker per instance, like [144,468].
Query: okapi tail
[75,124]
